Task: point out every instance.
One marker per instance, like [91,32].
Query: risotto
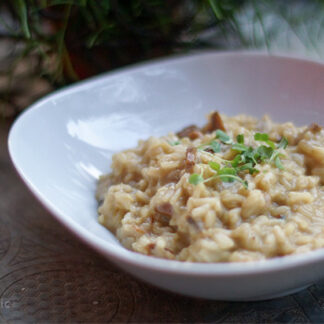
[238,189]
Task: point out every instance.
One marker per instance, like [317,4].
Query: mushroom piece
[314,128]
[165,209]
[215,122]
[191,131]
[164,213]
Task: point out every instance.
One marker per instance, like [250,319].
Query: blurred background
[47,44]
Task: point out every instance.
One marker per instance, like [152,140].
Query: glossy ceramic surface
[63,143]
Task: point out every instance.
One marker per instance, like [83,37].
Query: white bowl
[63,143]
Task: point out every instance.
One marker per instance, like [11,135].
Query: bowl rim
[120,254]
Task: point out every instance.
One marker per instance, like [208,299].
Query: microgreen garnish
[246,158]
[232,178]
[215,146]
[240,139]
[196,178]
[283,143]
[239,147]
[223,137]
[262,137]
[263,153]
[225,174]
[214,165]
[278,163]
[236,161]
[249,167]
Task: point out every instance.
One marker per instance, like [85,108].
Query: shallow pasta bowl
[64,142]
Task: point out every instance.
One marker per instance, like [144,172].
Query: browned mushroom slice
[191,131]
[314,128]
[190,160]
[165,209]
[215,122]
[164,213]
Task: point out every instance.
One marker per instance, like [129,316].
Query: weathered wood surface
[48,276]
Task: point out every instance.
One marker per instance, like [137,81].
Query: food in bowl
[237,189]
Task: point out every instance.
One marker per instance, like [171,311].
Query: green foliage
[86,37]
[223,137]
[74,39]
[195,179]
[246,159]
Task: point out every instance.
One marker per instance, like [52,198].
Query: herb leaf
[263,137]
[247,166]
[223,137]
[225,172]
[214,165]
[236,161]
[265,152]
[215,146]
[240,139]
[251,155]
[196,178]
[239,147]
[283,143]
[232,178]
[278,163]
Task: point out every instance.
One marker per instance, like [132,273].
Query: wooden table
[48,276]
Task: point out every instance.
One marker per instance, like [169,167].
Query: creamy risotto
[238,189]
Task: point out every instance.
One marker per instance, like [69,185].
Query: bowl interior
[64,142]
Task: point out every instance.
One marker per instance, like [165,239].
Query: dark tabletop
[48,276]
